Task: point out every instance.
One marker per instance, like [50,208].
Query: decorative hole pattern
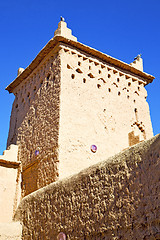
[68,66]
[72,76]
[90,75]
[66,50]
[79,70]
[102,79]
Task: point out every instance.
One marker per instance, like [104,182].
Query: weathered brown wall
[115,199]
[34,124]
[68,102]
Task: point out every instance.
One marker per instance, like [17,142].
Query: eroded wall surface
[70,101]
[34,124]
[115,199]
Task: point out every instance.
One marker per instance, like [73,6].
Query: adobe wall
[10,231]
[70,101]
[10,181]
[114,199]
[8,178]
[101,105]
[34,124]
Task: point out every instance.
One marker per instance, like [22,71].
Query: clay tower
[75,106]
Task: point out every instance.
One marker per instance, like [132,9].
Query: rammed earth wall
[70,98]
[101,104]
[34,124]
[114,199]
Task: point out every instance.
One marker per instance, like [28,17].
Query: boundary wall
[114,199]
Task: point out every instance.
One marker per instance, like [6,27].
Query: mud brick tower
[75,106]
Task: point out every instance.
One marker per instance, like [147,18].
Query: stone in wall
[114,199]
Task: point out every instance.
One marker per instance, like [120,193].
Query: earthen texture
[10,181]
[115,199]
[70,100]
[10,231]
[34,124]
[101,105]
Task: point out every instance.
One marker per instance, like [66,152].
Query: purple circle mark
[93,148]
[36,152]
[61,236]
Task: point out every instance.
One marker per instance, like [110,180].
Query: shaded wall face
[115,199]
[35,124]
[100,105]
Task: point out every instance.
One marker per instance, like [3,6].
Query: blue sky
[122,29]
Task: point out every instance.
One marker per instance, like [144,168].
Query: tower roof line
[55,41]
